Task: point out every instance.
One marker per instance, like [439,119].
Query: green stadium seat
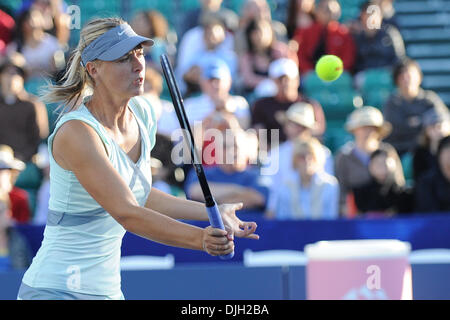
[336,98]
[12,5]
[312,82]
[189,4]
[350,9]
[409,7]
[434,65]
[30,178]
[376,98]
[423,20]
[429,51]
[407,164]
[336,136]
[376,87]
[437,82]
[166,8]
[437,35]
[235,5]
[35,85]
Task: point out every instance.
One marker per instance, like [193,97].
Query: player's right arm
[78,148]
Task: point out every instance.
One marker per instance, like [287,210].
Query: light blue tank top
[81,247]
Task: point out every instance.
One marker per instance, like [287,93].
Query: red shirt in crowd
[338,41]
[20,209]
[6,28]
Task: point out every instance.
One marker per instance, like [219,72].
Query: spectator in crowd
[192,19]
[153,25]
[165,173]
[298,122]
[215,83]
[284,73]
[435,127]
[159,176]
[405,108]
[10,168]
[210,40]
[385,194]
[433,188]
[325,36]
[217,123]
[377,46]
[15,253]
[310,193]
[56,21]
[232,179]
[7,25]
[300,15]
[163,109]
[23,120]
[352,160]
[388,12]
[262,49]
[42,51]
[256,10]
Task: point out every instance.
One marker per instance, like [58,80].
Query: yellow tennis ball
[329,67]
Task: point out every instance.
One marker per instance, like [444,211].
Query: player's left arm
[179,208]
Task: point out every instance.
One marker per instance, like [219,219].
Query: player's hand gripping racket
[211,206]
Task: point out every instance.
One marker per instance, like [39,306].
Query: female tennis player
[100,176]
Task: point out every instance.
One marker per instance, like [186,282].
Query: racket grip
[216,222]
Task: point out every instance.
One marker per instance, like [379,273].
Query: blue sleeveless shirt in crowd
[80,252]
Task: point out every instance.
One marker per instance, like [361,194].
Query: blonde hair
[76,80]
[310,146]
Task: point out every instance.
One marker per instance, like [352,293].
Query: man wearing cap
[100,181]
[351,162]
[284,72]
[23,119]
[215,84]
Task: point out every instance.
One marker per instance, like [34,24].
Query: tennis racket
[211,206]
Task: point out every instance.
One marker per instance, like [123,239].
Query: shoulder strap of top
[81,114]
[142,108]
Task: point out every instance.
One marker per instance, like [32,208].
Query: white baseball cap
[283,67]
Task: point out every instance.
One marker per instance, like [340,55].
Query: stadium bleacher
[425,27]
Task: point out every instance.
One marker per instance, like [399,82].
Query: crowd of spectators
[241,73]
